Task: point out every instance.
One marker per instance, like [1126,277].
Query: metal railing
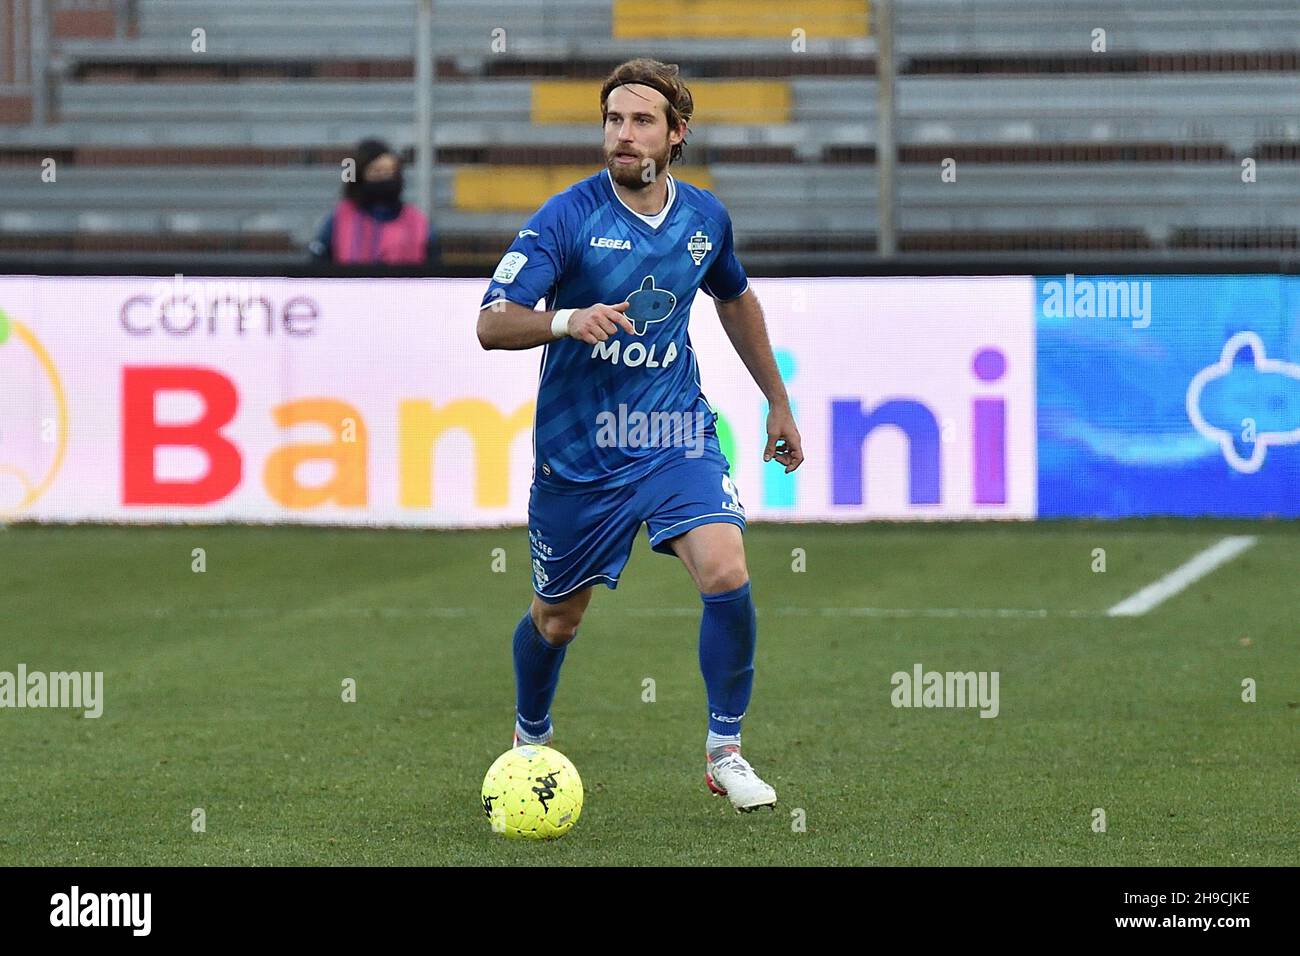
[27,45]
[25,55]
[16,67]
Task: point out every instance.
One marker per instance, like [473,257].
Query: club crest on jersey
[604,242]
[648,305]
[698,246]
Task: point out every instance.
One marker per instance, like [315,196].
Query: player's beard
[639,175]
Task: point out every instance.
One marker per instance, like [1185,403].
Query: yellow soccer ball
[532,792]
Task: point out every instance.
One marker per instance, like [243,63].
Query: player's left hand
[783,441]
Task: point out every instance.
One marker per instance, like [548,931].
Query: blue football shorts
[578,540]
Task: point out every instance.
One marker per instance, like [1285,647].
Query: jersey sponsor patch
[649,304]
[509,267]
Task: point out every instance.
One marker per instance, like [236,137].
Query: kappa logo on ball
[532,792]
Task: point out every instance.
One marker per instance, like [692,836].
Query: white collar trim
[661,214]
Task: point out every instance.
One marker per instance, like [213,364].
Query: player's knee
[558,627]
[720,576]
[558,631]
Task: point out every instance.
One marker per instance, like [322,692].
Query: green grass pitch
[223,692]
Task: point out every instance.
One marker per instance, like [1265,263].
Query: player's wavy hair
[663,77]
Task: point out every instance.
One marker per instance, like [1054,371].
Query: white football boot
[732,777]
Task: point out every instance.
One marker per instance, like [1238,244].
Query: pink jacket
[359,237]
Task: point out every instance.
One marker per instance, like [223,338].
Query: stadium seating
[1142,144]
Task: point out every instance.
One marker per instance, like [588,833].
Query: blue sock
[537,672]
[728,633]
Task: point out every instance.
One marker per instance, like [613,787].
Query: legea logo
[1246,402]
[33,436]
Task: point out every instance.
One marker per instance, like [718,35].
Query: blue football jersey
[586,246]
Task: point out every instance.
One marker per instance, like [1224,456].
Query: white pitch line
[1183,577]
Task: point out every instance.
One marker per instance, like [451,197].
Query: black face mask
[383,192]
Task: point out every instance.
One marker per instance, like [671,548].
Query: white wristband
[560,324]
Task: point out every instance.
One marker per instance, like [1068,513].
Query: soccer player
[618,258]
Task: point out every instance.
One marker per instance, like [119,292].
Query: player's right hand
[599,322]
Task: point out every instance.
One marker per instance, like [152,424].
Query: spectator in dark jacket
[371,224]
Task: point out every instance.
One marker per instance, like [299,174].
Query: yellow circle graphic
[33,489]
